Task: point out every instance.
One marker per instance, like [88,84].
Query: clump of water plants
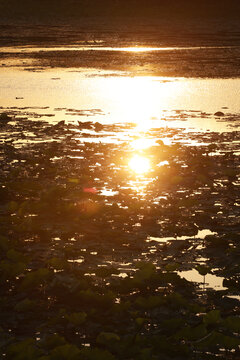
[92,264]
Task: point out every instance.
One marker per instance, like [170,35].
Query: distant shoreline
[122,12]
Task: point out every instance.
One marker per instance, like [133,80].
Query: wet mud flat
[99,261]
[196,51]
[190,62]
[132,33]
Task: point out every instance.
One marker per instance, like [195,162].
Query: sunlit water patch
[146,101]
[90,47]
[208,281]
[139,164]
[201,234]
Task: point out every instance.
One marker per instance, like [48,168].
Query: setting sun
[139,164]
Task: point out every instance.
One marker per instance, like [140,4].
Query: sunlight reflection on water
[142,143]
[210,281]
[147,101]
[31,49]
[139,164]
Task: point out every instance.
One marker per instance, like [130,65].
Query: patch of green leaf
[26,305]
[96,354]
[76,319]
[24,350]
[192,333]
[52,341]
[212,317]
[4,244]
[219,340]
[203,270]
[35,278]
[105,338]
[10,269]
[150,302]
[65,352]
[232,323]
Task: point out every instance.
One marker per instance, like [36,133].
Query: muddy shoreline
[118,241]
[79,227]
[216,46]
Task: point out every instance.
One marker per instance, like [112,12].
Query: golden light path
[139,164]
[148,101]
[142,143]
[30,49]
[141,100]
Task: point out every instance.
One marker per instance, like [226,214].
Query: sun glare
[142,143]
[138,49]
[139,164]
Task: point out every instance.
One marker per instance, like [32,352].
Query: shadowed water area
[119,188]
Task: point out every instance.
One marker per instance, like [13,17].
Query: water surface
[113,97]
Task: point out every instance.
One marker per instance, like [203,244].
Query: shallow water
[27,49]
[209,281]
[115,98]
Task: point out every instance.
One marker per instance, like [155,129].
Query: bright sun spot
[142,143]
[139,164]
